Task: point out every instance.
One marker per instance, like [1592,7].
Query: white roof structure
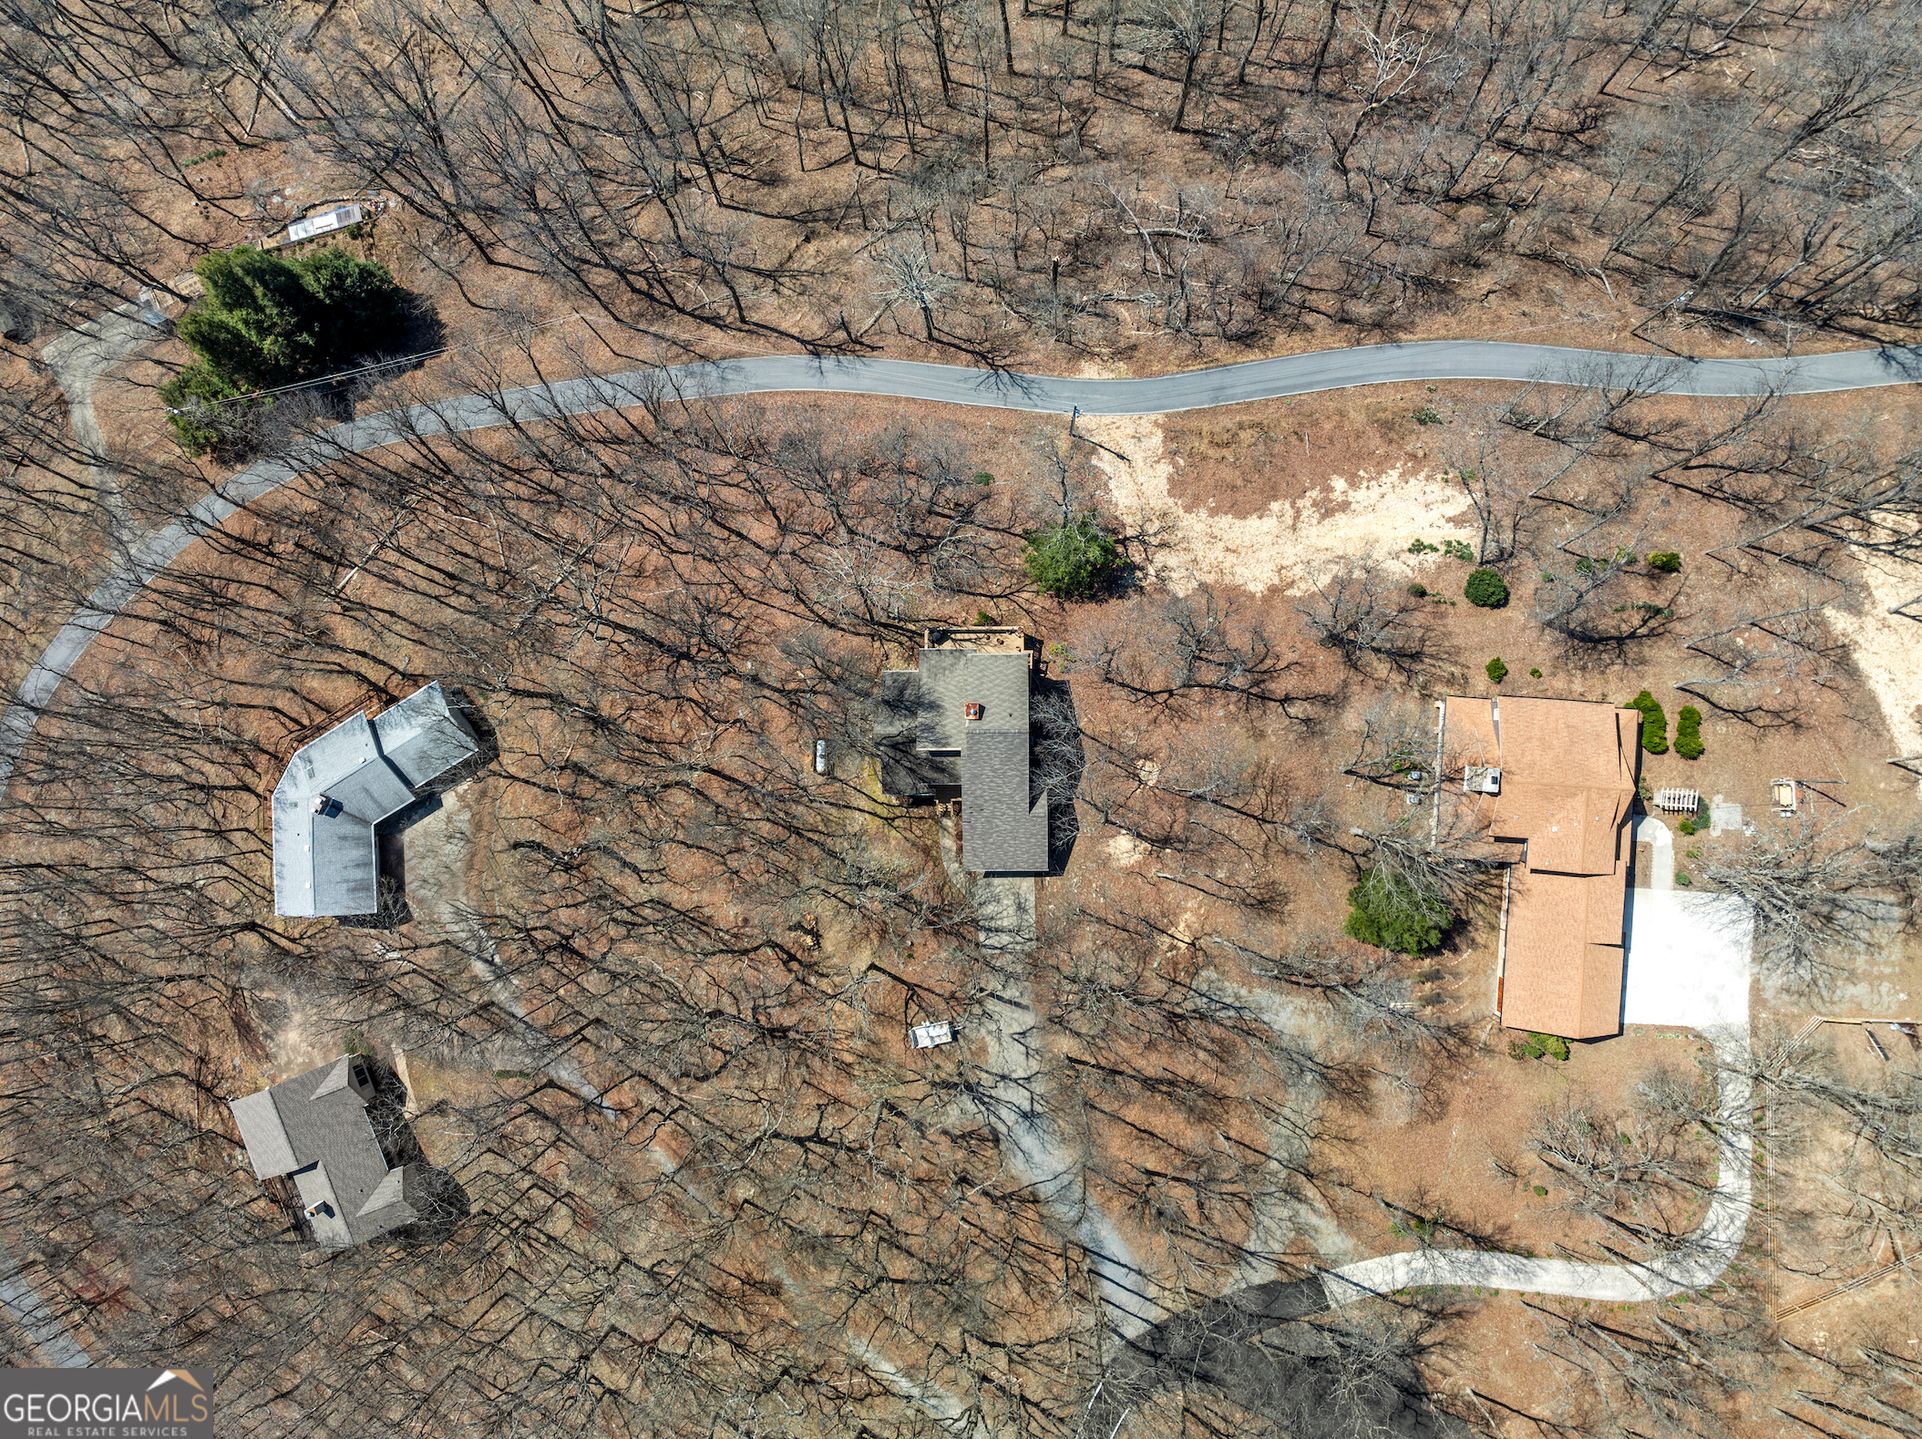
[339,787]
[325,223]
[935,1032]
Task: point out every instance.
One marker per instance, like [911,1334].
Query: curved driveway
[1695,1263]
[1430,360]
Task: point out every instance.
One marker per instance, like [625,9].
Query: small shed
[927,1036]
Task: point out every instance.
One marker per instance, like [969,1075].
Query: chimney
[320,803]
[972,709]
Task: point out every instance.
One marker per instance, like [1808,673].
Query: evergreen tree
[266,321]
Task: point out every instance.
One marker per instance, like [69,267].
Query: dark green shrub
[1486,588]
[1534,673]
[1497,671]
[983,618]
[1654,722]
[1545,1046]
[1665,561]
[1428,415]
[1458,550]
[265,321]
[1073,561]
[1688,732]
[1418,589]
[1391,911]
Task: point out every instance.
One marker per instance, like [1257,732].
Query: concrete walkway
[1695,1263]
[1661,843]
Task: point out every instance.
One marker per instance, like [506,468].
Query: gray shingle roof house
[314,1129]
[956,727]
[338,787]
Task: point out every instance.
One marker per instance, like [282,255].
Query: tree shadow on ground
[1276,1352]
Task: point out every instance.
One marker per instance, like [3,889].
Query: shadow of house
[957,730]
[338,1135]
[346,797]
[1059,760]
[1264,1349]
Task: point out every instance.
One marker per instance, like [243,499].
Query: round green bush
[1073,561]
[1486,588]
[1497,671]
[1393,911]
[1666,562]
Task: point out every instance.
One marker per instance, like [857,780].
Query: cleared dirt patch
[1884,636]
[1416,1178]
[1293,544]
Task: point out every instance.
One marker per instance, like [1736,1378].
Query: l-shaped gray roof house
[957,727]
[339,787]
[314,1129]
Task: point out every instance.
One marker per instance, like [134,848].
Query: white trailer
[325,223]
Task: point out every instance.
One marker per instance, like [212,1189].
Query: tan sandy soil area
[1292,545]
[1887,644]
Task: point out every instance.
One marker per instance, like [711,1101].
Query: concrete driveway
[1688,959]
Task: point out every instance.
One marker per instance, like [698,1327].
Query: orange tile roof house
[1557,778]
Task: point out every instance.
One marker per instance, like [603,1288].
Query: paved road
[1430,360]
[1425,360]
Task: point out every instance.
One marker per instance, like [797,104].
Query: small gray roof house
[956,727]
[339,787]
[314,1129]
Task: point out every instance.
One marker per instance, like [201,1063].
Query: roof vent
[972,709]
